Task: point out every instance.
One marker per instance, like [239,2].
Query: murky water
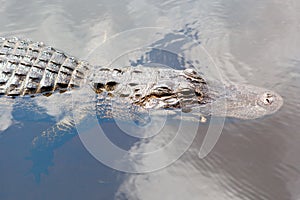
[253,42]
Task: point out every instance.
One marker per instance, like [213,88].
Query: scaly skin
[31,68]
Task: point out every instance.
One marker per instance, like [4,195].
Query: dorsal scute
[31,68]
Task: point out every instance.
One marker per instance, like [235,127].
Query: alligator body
[33,68]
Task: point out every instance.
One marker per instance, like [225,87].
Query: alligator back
[31,68]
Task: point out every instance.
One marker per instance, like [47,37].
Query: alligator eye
[268,99]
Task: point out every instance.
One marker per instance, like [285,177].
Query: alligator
[34,69]
[29,68]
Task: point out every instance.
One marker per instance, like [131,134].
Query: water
[254,42]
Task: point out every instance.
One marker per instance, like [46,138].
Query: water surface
[253,42]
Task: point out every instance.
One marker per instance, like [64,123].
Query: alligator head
[246,102]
